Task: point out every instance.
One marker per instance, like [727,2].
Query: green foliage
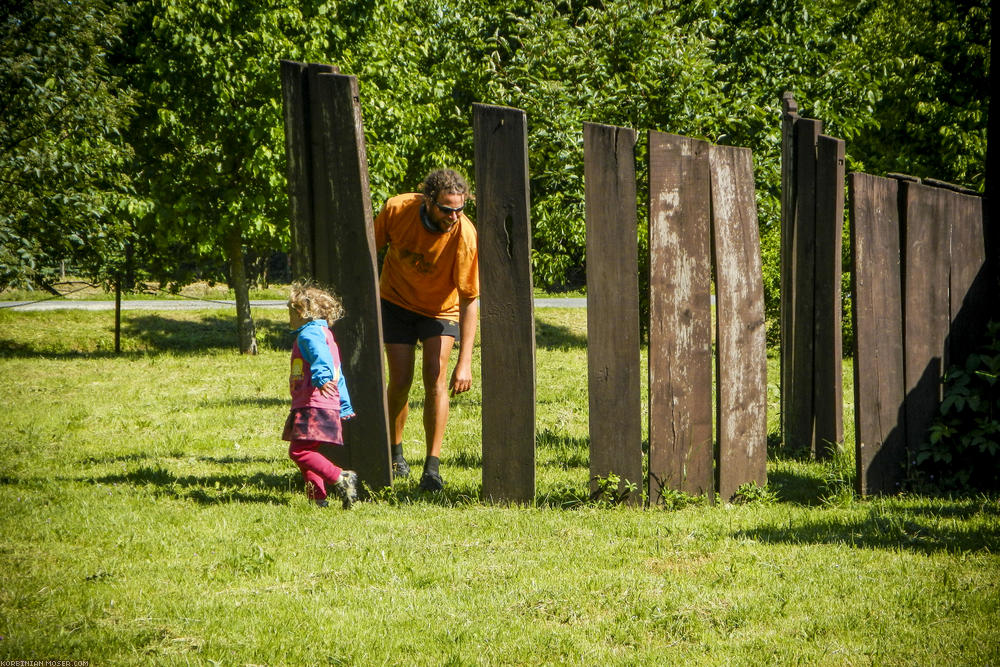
[752,492]
[209,129]
[612,490]
[64,185]
[962,451]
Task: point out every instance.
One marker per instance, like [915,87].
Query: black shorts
[403,326]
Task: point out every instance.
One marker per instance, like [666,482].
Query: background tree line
[145,139]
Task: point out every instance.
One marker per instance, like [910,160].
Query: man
[429,288]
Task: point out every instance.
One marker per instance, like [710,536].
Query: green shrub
[962,450]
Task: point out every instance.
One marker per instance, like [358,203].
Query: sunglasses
[448,210]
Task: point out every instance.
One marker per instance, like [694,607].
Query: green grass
[149,514]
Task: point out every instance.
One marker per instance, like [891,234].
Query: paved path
[198,304]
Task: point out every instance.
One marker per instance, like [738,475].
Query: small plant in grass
[962,450]
[612,490]
[837,488]
[671,499]
[752,492]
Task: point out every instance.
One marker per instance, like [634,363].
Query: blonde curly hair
[315,303]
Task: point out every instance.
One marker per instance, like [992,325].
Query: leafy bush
[962,451]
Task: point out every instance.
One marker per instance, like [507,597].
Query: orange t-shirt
[425,271]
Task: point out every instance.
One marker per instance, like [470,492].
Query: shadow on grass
[895,528]
[210,489]
[797,487]
[555,337]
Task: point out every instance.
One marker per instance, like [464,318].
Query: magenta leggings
[316,468]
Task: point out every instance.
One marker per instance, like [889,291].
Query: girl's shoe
[346,488]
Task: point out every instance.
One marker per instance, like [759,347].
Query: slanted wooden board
[789,118]
[969,293]
[613,307]
[742,348]
[507,317]
[680,317]
[345,261]
[926,308]
[799,348]
[828,393]
[319,170]
[298,152]
[879,422]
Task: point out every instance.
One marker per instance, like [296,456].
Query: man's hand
[461,379]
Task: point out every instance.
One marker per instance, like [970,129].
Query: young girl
[319,395]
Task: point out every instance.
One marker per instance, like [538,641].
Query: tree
[209,131]
[64,194]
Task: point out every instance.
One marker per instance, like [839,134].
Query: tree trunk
[238,281]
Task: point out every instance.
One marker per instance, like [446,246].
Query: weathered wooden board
[298,152]
[969,293]
[828,393]
[345,261]
[507,318]
[799,348]
[789,118]
[879,391]
[926,308]
[321,195]
[681,452]
[742,348]
[614,376]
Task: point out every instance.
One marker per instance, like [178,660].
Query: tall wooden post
[507,317]
[333,239]
[880,425]
[799,348]
[681,452]
[789,117]
[828,357]
[613,306]
[742,347]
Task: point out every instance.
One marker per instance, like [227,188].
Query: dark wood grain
[681,456]
[507,326]
[742,350]
[879,391]
[614,376]
[345,261]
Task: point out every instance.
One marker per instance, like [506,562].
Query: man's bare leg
[400,358]
[437,354]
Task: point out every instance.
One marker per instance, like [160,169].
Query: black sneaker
[400,468]
[431,481]
[346,488]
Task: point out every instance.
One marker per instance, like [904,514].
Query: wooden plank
[789,117]
[800,417]
[926,310]
[349,267]
[742,347]
[295,102]
[681,455]
[507,317]
[321,195]
[614,380]
[828,393]
[969,291]
[879,421]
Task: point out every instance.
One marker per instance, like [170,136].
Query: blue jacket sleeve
[346,410]
[312,344]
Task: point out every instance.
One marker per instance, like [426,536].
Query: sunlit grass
[150,515]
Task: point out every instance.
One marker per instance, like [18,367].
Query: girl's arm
[312,344]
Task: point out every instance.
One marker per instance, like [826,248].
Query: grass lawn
[149,515]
